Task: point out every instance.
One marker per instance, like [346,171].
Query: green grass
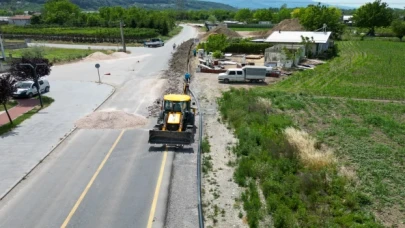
[364,69]
[296,196]
[205,145]
[56,55]
[8,127]
[9,105]
[364,187]
[250,29]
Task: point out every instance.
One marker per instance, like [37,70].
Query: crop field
[102,33]
[364,69]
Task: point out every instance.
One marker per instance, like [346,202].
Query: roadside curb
[56,146]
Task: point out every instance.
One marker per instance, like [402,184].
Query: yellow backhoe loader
[175,125]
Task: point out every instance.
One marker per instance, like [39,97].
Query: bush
[217,54]
[250,48]
[296,196]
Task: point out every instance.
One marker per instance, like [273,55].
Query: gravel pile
[111,120]
[284,25]
[98,56]
[222,30]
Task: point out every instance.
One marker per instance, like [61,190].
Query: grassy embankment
[8,127]
[349,170]
[57,55]
[9,105]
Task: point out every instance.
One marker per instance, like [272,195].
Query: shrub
[217,54]
[251,48]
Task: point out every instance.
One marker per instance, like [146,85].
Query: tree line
[65,13]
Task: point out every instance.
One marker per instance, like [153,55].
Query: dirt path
[220,193]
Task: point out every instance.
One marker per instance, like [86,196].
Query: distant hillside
[95,4]
[257,4]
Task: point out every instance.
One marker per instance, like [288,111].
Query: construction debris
[111,120]
[175,74]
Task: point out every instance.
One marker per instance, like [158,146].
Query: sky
[357,3]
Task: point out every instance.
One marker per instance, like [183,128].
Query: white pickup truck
[155,42]
[245,74]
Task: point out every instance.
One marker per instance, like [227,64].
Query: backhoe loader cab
[175,125]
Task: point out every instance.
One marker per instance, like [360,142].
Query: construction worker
[187,77]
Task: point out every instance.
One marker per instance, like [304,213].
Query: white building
[348,19]
[20,20]
[318,41]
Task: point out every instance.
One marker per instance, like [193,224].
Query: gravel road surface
[102,177]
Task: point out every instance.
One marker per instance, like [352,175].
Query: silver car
[28,89]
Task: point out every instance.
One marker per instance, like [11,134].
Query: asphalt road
[103,178]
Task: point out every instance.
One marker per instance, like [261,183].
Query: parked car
[155,42]
[27,88]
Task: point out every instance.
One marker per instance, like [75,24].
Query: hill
[95,4]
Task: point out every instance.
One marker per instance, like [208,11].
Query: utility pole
[34,71]
[122,36]
[2,48]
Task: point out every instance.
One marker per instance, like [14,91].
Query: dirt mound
[119,55]
[285,25]
[175,74]
[222,30]
[111,120]
[98,56]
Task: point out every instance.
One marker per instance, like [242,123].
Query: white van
[28,89]
[245,74]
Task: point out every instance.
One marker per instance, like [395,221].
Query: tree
[398,27]
[31,69]
[243,15]
[60,12]
[372,15]
[314,16]
[6,91]
[263,15]
[165,29]
[284,13]
[216,42]
[36,19]
[212,19]
[133,23]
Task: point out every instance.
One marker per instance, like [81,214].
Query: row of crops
[77,33]
[364,69]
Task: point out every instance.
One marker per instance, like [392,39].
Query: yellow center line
[79,201]
[156,196]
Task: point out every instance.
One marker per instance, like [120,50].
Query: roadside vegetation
[8,127]
[9,105]
[301,182]
[55,55]
[325,147]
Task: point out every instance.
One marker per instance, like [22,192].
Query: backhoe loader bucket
[171,137]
